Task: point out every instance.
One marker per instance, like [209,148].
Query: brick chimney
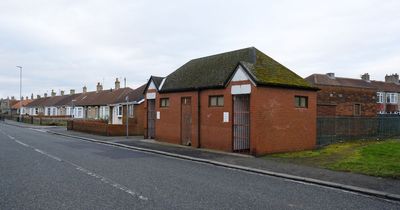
[12,98]
[26,98]
[365,77]
[53,93]
[72,91]
[38,96]
[331,75]
[32,96]
[394,78]
[84,89]
[45,95]
[62,92]
[99,87]
[117,84]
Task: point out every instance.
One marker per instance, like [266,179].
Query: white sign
[226,116]
[158,115]
[240,89]
[151,95]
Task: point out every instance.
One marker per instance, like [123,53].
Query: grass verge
[375,158]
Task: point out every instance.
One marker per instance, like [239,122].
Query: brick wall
[276,125]
[344,100]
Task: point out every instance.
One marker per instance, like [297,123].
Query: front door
[151,118]
[186,121]
[241,123]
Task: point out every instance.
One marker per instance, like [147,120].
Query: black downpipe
[198,119]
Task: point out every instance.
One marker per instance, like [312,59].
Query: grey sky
[66,44]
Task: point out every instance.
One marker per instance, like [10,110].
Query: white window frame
[391,98]
[380,97]
[119,111]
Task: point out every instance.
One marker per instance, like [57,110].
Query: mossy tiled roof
[216,70]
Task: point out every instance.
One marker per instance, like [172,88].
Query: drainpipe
[198,119]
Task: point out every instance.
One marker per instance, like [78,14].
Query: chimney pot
[99,87]
[53,93]
[331,75]
[62,92]
[365,77]
[72,91]
[84,89]
[117,84]
[45,95]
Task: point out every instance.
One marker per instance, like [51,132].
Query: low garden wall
[103,128]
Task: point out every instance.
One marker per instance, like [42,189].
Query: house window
[216,101]
[379,97]
[130,110]
[36,111]
[391,98]
[164,102]
[301,101]
[119,111]
[48,111]
[357,109]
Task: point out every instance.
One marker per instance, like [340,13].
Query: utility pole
[20,93]
[127,116]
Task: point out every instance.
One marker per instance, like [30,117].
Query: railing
[335,129]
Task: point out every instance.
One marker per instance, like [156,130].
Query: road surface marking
[10,137]
[40,130]
[21,143]
[48,155]
[109,182]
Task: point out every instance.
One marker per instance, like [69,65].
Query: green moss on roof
[216,70]
[267,71]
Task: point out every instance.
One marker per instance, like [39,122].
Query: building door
[241,123]
[151,118]
[186,121]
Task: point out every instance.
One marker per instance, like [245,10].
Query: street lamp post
[20,92]
[127,116]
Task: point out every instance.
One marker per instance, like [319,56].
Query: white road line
[109,182]
[48,155]
[21,143]
[10,137]
[40,130]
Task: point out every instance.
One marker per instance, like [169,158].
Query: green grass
[375,158]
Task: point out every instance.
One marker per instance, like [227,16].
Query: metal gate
[186,121]
[151,118]
[241,123]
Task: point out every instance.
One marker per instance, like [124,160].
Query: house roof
[215,71]
[137,94]
[323,79]
[103,97]
[24,103]
[37,102]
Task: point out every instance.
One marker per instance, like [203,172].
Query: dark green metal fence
[335,129]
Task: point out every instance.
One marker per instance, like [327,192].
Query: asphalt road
[43,171]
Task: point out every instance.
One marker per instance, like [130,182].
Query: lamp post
[20,92]
[127,116]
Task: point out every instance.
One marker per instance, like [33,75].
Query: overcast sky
[66,44]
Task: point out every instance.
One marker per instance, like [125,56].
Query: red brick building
[343,96]
[240,101]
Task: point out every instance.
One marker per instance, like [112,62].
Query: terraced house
[363,97]
[240,101]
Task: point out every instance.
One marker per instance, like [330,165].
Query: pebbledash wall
[276,125]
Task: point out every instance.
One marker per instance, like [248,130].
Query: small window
[357,109]
[164,102]
[130,110]
[301,101]
[216,101]
[119,111]
[379,97]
